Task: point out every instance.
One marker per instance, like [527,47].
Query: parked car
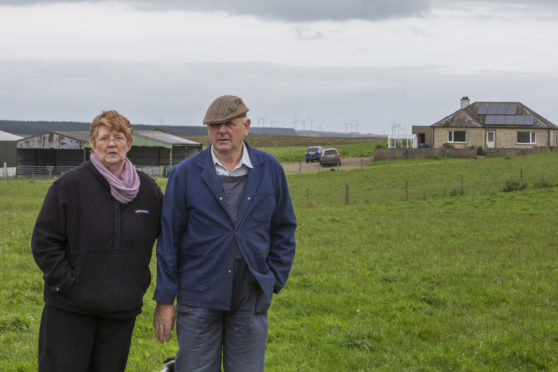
[313,153]
[330,157]
[424,145]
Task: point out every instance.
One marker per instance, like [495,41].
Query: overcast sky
[371,66]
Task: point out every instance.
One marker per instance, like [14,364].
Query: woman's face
[111,148]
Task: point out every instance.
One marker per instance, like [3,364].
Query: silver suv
[330,157]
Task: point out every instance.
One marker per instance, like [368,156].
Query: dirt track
[346,163]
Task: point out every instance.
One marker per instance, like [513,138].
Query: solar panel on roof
[509,120]
[497,109]
[512,110]
[483,110]
[501,109]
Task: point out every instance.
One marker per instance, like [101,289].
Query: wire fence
[56,171]
[41,171]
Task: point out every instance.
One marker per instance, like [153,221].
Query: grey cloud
[306,10]
[284,10]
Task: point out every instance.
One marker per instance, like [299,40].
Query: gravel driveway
[346,163]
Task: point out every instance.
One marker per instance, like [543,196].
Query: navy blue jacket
[196,248]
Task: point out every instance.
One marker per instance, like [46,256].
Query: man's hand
[163,321]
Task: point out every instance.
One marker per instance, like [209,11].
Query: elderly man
[227,244]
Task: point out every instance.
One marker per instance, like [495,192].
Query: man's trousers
[236,337]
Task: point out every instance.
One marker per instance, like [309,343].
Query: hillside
[27,128]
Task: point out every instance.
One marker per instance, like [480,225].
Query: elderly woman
[93,241]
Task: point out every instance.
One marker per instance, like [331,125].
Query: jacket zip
[116,224]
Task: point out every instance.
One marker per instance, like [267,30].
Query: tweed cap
[224,109]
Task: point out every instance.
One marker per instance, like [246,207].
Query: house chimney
[464,102]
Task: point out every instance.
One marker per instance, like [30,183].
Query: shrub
[542,184]
[456,192]
[512,185]
[480,151]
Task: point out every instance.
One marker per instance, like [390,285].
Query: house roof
[7,137]
[495,115]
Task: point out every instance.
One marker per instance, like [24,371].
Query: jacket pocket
[193,273]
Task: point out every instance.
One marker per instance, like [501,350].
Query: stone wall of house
[393,154]
[426,131]
[518,151]
[475,137]
[507,138]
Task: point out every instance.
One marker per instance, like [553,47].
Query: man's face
[227,138]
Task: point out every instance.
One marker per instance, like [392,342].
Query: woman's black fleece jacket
[94,251]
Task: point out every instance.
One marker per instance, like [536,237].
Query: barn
[55,152]
[8,143]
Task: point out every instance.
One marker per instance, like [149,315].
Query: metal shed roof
[165,137]
[55,139]
[7,137]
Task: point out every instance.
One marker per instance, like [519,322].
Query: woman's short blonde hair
[113,121]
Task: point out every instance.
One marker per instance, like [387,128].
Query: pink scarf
[123,188]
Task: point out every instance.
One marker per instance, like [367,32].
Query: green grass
[442,281]
[424,179]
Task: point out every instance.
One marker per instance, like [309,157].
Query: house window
[457,136]
[526,138]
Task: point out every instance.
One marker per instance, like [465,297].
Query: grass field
[435,278]
[292,148]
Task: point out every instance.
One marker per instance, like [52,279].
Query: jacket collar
[213,182]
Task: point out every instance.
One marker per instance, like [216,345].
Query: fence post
[346,194]
[406,190]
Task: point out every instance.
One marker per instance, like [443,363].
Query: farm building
[58,151]
[8,150]
[490,125]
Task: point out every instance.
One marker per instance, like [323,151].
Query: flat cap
[224,109]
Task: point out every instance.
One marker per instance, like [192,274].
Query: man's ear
[247,123]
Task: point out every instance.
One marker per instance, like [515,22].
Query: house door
[490,139]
